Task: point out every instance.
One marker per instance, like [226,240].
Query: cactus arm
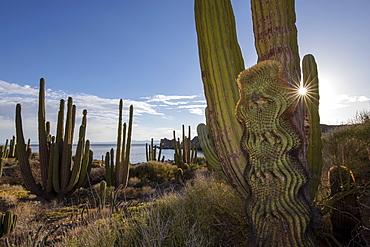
[65,167]
[221,61]
[108,174]
[49,185]
[43,146]
[314,143]
[56,167]
[60,123]
[147,151]
[209,149]
[85,166]
[119,142]
[160,151]
[77,165]
[12,147]
[126,161]
[79,157]
[24,164]
[274,205]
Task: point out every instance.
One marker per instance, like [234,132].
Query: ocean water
[137,154]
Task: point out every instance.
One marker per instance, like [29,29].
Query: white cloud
[169,99]
[11,88]
[102,114]
[197,111]
[363,99]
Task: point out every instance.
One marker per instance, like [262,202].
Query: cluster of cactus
[61,174]
[117,173]
[151,152]
[3,155]
[112,194]
[6,152]
[185,151]
[8,222]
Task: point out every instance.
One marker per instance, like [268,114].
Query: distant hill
[327,128]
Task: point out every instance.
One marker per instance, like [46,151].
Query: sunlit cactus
[274,175]
[311,99]
[221,61]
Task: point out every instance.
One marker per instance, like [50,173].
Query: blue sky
[145,52]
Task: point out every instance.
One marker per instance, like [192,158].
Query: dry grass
[200,215]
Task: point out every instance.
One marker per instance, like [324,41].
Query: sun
[302,91]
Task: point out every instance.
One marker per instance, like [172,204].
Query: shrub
[153,171]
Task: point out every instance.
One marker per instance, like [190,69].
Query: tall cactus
[314,144]
[60,174]
[118,174]
[221,61]
[275,39]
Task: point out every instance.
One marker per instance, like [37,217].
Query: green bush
[153,171]
[349,146]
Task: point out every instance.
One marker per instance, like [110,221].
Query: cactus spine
[118,174]
[314,144]
[8,222]
[60,176]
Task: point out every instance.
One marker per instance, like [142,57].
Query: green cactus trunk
[221,61]
[43,145]
[278,215]
[314,143]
